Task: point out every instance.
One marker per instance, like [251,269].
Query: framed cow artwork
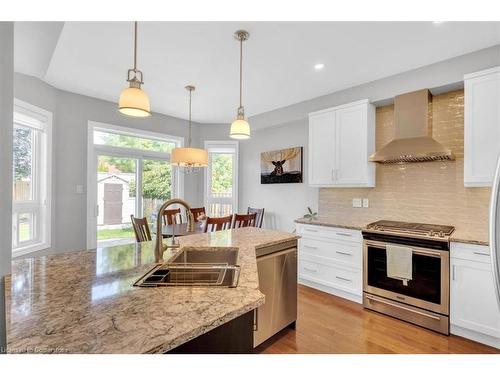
[281,166]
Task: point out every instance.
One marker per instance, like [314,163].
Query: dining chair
[260,215]
[197,212]
[241,221]
[214,224]
[172,217]
[141,228]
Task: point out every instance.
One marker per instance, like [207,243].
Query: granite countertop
[335,223]
[459,235]
[84,301]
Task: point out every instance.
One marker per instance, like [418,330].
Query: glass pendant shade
[134,102]
[240,129]
[189,157]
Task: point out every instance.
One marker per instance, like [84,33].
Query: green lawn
[107,234]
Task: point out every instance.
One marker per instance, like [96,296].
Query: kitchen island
[84,301]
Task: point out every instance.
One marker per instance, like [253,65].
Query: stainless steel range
[423,299]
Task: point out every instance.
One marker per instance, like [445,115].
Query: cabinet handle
[256,319]
[343,253]
[310,230]
[343,234]
[342,278]
[453,272]
[311,247]
[483,254]
[310,269]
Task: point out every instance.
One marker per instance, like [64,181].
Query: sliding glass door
[129,174]
[157,186]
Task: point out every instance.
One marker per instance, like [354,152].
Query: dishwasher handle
[276,254]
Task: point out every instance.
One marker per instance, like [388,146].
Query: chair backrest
[141,229]
[218,223]
[172,217]
[241,221]
[200,211]
[260,215]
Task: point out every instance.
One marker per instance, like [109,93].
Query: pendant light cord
[189,137]
[135,46]
[241,70]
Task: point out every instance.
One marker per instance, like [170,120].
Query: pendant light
[134,102]
[188,158]
[240,128]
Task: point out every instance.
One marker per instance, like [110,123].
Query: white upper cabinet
[341,139]
[482,126]
[321,135]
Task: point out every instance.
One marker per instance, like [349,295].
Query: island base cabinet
[233,337]
[474,311]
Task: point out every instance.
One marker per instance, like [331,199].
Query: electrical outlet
[79,189]
[366,203]
[356,202]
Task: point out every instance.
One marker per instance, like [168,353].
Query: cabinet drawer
[475,253]
[343,252]
[348,280]
[316,231]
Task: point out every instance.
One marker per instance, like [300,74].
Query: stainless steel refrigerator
[495,230]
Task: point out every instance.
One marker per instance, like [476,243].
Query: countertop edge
[354,227]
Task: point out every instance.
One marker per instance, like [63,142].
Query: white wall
[283,202]
[71,115]
[6,106]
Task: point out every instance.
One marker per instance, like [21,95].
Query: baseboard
[475,336]
[333,291]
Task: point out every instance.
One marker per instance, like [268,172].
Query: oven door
[429,288]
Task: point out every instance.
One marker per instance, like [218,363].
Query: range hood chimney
[413,140]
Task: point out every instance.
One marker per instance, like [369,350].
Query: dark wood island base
[233,337]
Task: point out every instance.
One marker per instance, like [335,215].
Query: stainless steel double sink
[193,266]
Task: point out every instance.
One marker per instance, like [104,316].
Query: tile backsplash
[430,192]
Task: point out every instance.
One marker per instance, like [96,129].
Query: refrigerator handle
[494,229]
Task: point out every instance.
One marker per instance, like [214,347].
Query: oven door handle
[403,308]
[419,250]
[427,253]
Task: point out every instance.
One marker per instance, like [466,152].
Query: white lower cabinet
[474,311]
[330,259]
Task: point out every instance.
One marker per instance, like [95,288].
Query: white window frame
[214,145]
[94,151]
[41,205]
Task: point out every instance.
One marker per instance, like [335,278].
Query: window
[129,173]
[31,178]
[221,178]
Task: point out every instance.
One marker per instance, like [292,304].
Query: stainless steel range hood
[413,140]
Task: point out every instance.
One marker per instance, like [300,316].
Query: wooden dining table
[179,229]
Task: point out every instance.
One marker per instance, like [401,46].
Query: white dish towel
[399,263]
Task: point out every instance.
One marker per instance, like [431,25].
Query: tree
[156,181]
[22,153]
[222,173]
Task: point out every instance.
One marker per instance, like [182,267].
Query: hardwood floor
[329,324]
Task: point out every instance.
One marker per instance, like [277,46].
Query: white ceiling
[92,58]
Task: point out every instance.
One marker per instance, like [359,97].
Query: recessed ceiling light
[437,22]
[319,66]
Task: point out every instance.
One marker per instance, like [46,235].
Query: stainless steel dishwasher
[277,268]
